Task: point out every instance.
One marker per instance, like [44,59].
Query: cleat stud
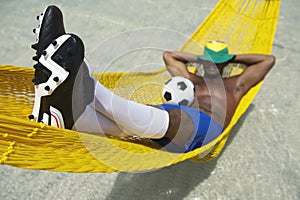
[37,66]
[54,42]
[35,58]
[38,17]
[34,30]
[34,46]
[56,79]
[44,53]
[31,117]
[35,80]
[47,88]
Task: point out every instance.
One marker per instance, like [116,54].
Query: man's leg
[77,94]
[59,101]
[134,118]
[111,114]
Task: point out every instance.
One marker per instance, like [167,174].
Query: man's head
[215,57]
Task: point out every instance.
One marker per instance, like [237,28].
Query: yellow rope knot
[10,150]
[12,144]
[5,135]
[42,125]
[35,130]
[3,159]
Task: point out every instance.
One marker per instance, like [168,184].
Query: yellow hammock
[247,26]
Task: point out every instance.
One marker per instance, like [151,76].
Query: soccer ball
[178,91]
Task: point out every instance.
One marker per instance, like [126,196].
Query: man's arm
[258,65]
[176,64]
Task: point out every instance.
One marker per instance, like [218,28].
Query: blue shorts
[206,130]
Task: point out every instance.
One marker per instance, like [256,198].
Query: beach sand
[261,159]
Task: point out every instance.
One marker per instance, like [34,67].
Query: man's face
[213,70]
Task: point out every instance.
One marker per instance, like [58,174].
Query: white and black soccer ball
[178,91]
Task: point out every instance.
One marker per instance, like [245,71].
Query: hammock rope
[246,26]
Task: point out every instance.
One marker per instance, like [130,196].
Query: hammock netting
[246,26]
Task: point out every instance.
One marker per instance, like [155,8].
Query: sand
[261,159]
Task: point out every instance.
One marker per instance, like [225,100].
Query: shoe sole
[61,60]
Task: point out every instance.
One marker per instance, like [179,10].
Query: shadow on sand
[174,182]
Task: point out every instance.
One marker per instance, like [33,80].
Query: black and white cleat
[54,79]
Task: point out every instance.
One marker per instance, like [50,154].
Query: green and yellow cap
[216,51]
